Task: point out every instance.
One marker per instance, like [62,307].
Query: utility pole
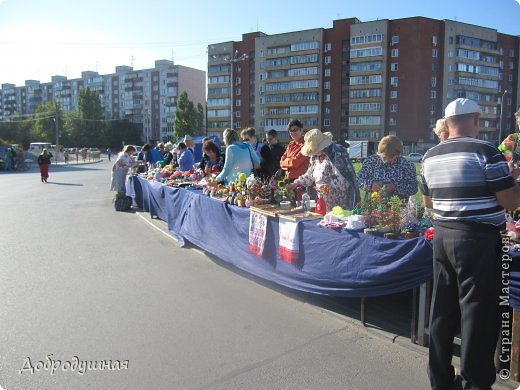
[57,130]
[56,123]
[501,116]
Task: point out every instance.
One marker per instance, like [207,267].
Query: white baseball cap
[461,106]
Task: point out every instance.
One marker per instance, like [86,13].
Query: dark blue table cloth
[339,263]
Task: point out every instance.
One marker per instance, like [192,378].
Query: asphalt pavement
[96,299]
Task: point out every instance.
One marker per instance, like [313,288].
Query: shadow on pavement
[65,184]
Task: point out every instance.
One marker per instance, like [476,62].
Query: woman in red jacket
[293,162]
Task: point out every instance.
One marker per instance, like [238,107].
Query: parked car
[414,157]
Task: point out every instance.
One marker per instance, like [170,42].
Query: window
[328,47]
[450,54]
[434,82]
[394,81]
[261,76]
[511,53]
[238,92]
[434,67]
[511,65]
[327,60]
[394,67]
[366,66]
[326,85]
[372,79]
[434,94]
[238,103]
[361,39]
[392,122]
[434,40]
[327,72]
[395,39]
[393,107]
[393,94]
[238,80]
[395,53]
[327,97]
[326,122]
[450,40]
[435,53]
[510,78]
[366,52]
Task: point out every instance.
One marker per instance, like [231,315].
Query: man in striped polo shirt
[467,183]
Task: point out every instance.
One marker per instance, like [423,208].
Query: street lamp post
[236,58]
[500,120]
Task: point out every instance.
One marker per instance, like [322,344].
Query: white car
[414,157]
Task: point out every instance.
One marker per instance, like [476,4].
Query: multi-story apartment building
[364,80]
[146,97]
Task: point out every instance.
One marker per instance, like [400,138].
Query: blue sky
[39,38]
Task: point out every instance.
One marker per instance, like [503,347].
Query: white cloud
[518,1]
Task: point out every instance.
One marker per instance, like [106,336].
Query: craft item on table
[355,222]
[331,225]
[510,147]
[393,221]
[289,247]
[428,234]
[285,205]
[513,231]
[371,231]
[268,209]
[337,214]
[321,208]
[298,214]
[257,232]
[411,230]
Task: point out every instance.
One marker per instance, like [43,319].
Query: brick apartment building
[146,97]
[364,80]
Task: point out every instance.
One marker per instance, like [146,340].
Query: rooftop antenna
[172,57]
[132,61]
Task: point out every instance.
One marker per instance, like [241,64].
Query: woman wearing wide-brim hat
[330,170]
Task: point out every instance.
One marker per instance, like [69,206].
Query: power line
[28,120]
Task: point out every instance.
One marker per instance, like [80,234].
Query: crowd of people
[466,182]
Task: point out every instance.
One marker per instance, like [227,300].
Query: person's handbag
[122,202]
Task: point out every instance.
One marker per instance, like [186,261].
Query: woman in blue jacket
[240,158]
[185,157]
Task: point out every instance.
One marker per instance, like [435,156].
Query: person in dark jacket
[44,160]
[167,155]
[263,152]
[277,150]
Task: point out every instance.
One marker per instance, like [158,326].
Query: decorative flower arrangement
[387,214]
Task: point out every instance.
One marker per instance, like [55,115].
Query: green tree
[200,119]
[16,130]
[45,125]
[90,115]
[186,117]
[117,132]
